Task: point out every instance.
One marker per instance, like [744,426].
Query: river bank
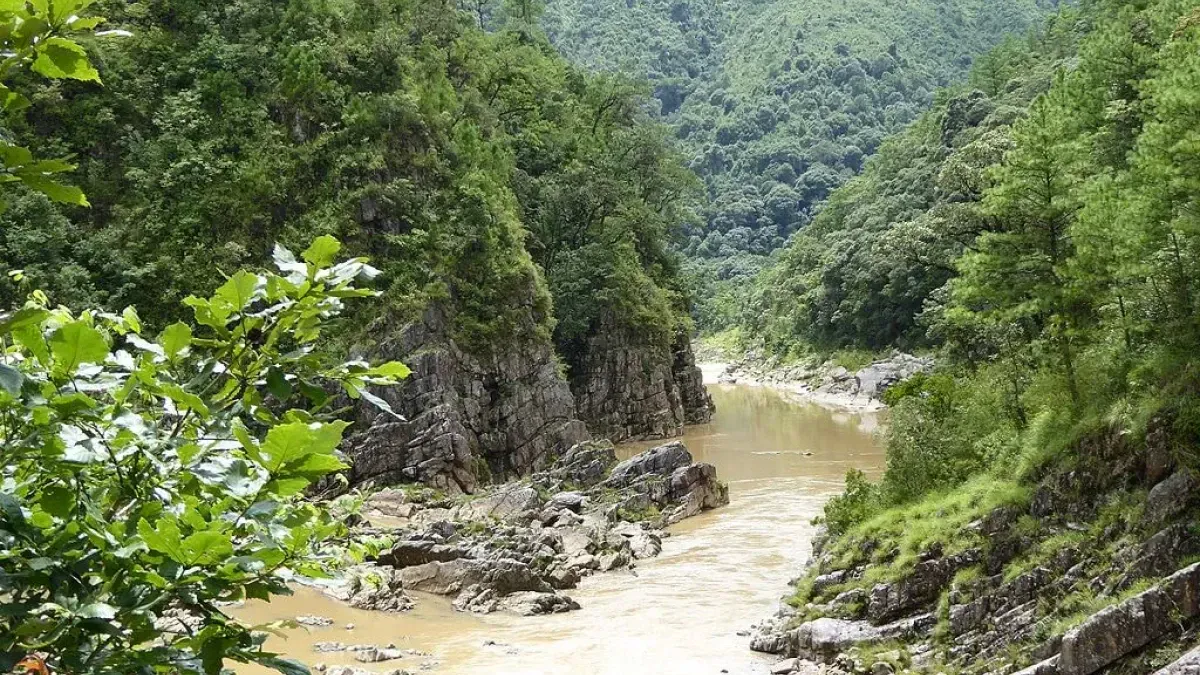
[1089,568]
[685,611]
[824,383]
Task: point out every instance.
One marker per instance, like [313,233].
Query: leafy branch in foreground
[40,34]
[146,481]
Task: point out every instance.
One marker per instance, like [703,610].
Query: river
[677,614]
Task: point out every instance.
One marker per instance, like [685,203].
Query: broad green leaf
[206,548]
[287,443]
[75,344]
[97,610]
[62,10]
[163,538]
[30,337]
[328,436]
[58,58]
[87,23]
[315,466]
[10,379]
[213,315]
[175,338]
[66,194]
[278,384]
[41,521]
[288,487]
[185,400]
[46,166]
[243,436]
[15,156]
[58,501]
[12,101]
[27,316]
[238,479]
[132,320]
[240,290]
[73,403]
[391,369]
[323,251]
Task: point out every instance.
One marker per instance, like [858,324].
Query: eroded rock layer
[468,419]
[628,388]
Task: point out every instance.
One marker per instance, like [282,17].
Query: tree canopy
[777,103]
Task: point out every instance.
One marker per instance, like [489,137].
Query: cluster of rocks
[367,654]
[518,546]
[984,619]
[827,382]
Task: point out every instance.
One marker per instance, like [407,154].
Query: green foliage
[41,36]
[446,153]
[860,499]
[777,103]
[600,191]
[876,257]
[1063,292]
[908,531]
[147,480]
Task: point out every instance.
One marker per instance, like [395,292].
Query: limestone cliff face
[468,418]
[628,389]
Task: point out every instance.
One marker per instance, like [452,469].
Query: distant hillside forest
[778,102]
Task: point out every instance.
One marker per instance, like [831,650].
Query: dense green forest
[1036,231]
[475,167]
[1036,228]
[777,103]
[863,273]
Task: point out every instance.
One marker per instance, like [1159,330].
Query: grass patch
[728,344]
[898,536]
[853,360]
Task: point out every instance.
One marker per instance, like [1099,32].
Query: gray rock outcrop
[368,586]
[823,640]
[1170,497]
[1122,629]
[628,388]
[828,382]
[468,418]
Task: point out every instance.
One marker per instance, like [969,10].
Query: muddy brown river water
[677,614]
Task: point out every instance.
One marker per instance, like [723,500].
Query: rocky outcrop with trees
[1087,570]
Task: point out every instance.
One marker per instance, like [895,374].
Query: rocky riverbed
[517,547]
[681,612]
[826,383]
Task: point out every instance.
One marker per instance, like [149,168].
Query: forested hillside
[481,171]
[875,257]
[1036,230]
[777,103]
